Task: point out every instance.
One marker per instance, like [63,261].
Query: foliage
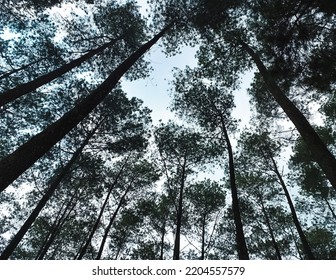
[137,191]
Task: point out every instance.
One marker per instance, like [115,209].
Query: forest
[86,174]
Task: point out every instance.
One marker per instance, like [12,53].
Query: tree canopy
[86,174]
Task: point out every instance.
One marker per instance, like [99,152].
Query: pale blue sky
[154,91]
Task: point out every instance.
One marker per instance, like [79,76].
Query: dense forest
[86,174]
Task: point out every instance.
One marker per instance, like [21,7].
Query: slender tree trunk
[203,238]
[240,238]
[268,224]
[330,208]
[118,252]
[82,245]
[107,230]
[95,226]
[306,247]
[23,89]
[318,149]
[176,254]
[49,235]
[52,188]
[212,232]
[7,74]
[296,244]
[52,229]
[163,232]
[55,250]
[21,159]
[57,226]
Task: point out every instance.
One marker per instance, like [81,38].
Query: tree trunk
[296,244]
[7,74]
[318,149]
[51,231]
[118,252]
[163,232]
[26,155]
[23,89]
[203,238]
[23,230]
[268,224]
[81,246]
[306,247]
[121,202]
[240,238]
[95,226]
[57,226]
[176,254]
[330,208]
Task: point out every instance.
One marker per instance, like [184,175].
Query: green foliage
[155,173]
[308,174]
[179,144]
[197,98]
[323,243]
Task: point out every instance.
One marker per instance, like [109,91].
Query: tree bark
[321,154]
[7,74]
[95,226]
[121,202]
[176,254]
[268,224]
[52,188]
[330,208]
[51,231]
[240,238]
[26,155]
[163,232]
[23,89]
[296,244]
[203,237]
[306,247]
[57,226]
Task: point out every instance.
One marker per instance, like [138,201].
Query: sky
[154,90]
